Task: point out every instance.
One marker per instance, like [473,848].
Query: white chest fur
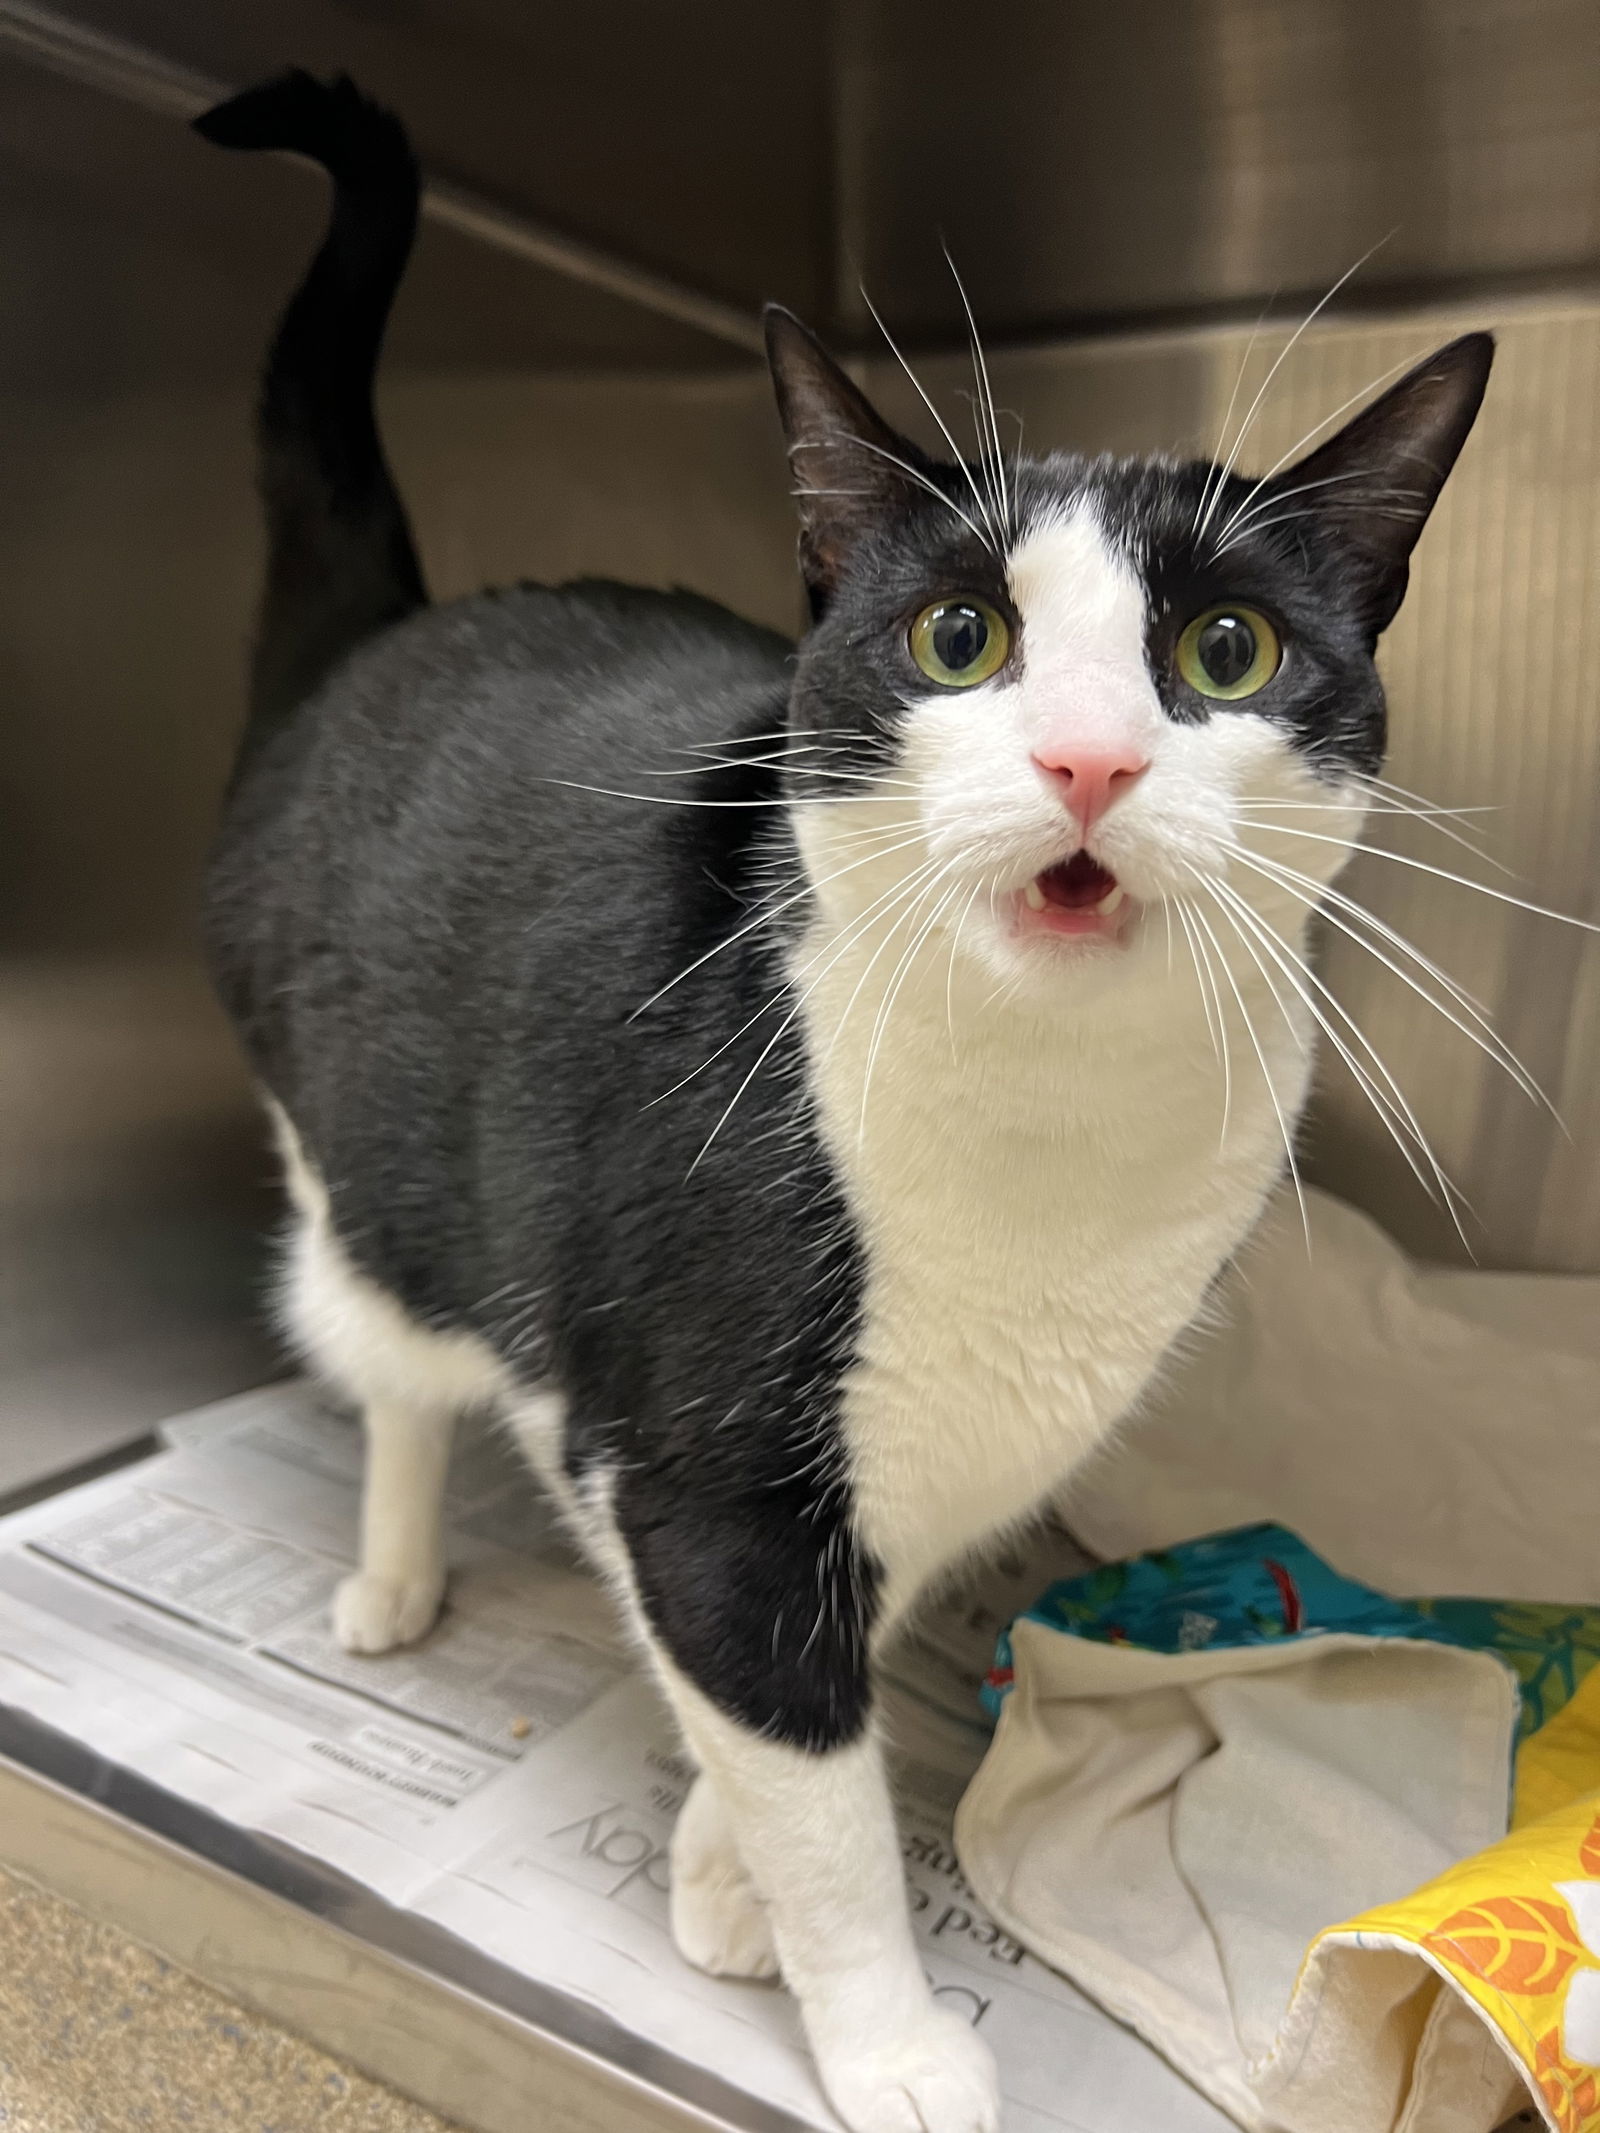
[1043,1202]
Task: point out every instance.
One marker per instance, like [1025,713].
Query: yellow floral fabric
[1516,1928]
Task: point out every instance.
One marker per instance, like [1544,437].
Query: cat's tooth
[1033,896]
[1109,902]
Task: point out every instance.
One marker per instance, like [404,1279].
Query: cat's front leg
[816,1829]
[772,1696]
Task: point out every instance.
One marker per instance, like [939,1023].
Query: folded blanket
[1337,1856]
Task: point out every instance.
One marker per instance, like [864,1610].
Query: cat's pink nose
[1089,780]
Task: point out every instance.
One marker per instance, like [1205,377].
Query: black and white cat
[764,1076]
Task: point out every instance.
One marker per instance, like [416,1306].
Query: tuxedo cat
[804,1090]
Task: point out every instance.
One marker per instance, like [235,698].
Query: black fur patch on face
[855,669]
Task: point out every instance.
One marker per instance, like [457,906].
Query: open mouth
[1078,896]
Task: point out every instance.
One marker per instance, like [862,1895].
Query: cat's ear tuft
[1377,480]
[850,469]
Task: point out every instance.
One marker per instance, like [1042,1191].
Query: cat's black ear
[1379,478]
[850,468]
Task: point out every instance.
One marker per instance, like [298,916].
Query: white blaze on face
[1083,608]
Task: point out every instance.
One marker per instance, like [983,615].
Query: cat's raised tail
[341,561]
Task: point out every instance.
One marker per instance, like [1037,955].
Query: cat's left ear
[1378,479]
[850,468]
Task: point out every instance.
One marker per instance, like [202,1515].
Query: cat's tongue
[1077,884]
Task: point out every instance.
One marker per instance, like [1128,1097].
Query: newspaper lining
[513,1779]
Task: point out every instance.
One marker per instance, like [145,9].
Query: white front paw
[374,1614]
[937,2076]
[718,1920]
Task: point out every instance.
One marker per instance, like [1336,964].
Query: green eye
[1229,652]
[960,642]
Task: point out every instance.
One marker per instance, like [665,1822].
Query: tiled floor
[97,2035]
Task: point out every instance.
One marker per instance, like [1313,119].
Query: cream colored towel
[1172,1832]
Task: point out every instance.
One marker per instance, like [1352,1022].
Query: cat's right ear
[850,468]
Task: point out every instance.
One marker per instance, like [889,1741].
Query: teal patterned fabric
[1261,1584]
[1549,1648]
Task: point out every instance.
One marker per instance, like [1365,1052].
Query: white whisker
[1330,903]
[1430,818]
[1272,1093]
[775,804]
[980,369]
[771,1043]
[1422,866]
[764,919]
[1282,357]
[1300,443]
[950,975]
[1180,904]
[1242,520]
[911,473]
[766,1006]
[902,969]
[955,450]
[1220,1033]
[1443,1192]
[1214,471]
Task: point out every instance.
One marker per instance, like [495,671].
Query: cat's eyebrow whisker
[975,410]
[753,925]
[980,371]
[1266,1074]
[1242,513]
[1245,517]
[1300,443]
[1395,1113]
[910,472]
[1330,903]
[956,452]
[1214,472]
[1294,518]
[1278,363]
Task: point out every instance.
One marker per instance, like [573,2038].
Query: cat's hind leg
[410,1382]
[394,1597]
